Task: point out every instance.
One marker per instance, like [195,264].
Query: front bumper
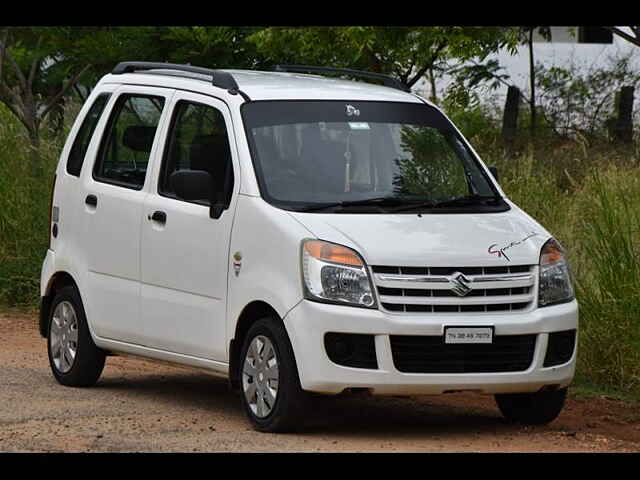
[308,322]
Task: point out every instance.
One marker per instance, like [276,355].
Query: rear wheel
[271,392]
[74,359]
[536,408]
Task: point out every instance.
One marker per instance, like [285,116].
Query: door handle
[158,216]
[91,200]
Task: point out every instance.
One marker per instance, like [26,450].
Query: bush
[581,101]
[24,213]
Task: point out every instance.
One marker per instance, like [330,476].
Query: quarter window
[81,142]
[198,140]
[126,146]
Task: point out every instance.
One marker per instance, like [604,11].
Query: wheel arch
[57,281]
[250,314]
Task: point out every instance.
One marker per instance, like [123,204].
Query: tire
[85,367]
[284,411]
[537,408]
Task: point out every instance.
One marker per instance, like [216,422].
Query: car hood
[439,240]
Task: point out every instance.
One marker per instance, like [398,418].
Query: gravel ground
[140,406]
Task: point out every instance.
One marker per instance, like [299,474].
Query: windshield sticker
[352,111]
[359,125]
[500,252]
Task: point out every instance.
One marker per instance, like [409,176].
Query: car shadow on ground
[346,415]
[435,416]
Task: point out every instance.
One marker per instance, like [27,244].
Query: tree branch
[3,46]
[626,36]
[72,81]
[34,65]
[16,68]
[404,76]
[80,94]
[9,93]
[5,99]
[427,65]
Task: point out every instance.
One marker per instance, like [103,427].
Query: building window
[594,35]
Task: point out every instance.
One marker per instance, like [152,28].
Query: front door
[184,252]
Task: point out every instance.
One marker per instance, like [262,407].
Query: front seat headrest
[139,137]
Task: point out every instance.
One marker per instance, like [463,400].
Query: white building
[580,47]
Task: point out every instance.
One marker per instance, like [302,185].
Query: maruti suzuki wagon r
[298,233]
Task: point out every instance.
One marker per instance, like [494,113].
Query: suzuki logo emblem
[352,111]
[460,284]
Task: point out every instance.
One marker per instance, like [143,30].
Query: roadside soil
[140,406]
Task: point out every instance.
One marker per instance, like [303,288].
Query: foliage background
[576,181]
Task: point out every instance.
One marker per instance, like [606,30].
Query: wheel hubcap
[63,336]
[260,376]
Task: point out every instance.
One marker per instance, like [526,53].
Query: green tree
[41,66]
[37,70]
[408,53]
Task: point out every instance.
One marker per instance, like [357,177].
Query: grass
[586,193]
[588,197]
[585,388]
[24,211]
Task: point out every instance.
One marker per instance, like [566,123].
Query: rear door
[184,254]
[113,200]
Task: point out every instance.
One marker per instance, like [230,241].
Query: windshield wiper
[403,202]
[376,201]
[454,202]
[467,200]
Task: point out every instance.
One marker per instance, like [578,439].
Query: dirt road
[144,406]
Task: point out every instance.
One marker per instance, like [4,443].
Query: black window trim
[106,132]
[257,168]
[106,94]
[166,149]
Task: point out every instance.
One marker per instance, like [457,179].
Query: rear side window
[198,140]
[81,142]
[126,145]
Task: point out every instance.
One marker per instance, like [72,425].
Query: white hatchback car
[298,233]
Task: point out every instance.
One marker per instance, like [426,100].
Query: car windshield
[312,155]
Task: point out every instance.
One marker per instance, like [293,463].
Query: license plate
[468,335]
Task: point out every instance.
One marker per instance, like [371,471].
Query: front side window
[126,146]
[81,142]
[198,140]
[365,155]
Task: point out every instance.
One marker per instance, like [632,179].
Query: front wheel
[271,392]
[536,408]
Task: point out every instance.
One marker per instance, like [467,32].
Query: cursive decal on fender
[493,250]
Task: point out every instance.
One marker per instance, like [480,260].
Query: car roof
[261,85]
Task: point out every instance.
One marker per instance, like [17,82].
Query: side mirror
[192,184]
[494,172]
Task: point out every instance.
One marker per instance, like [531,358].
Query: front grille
[429,354]
[433,289]
[450,270]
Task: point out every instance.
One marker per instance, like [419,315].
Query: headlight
[555,278]
[335,274]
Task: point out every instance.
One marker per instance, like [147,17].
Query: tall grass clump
[608,287]
[587,195]
[24,212]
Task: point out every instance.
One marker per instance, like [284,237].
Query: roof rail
[219,78]
[387,80]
